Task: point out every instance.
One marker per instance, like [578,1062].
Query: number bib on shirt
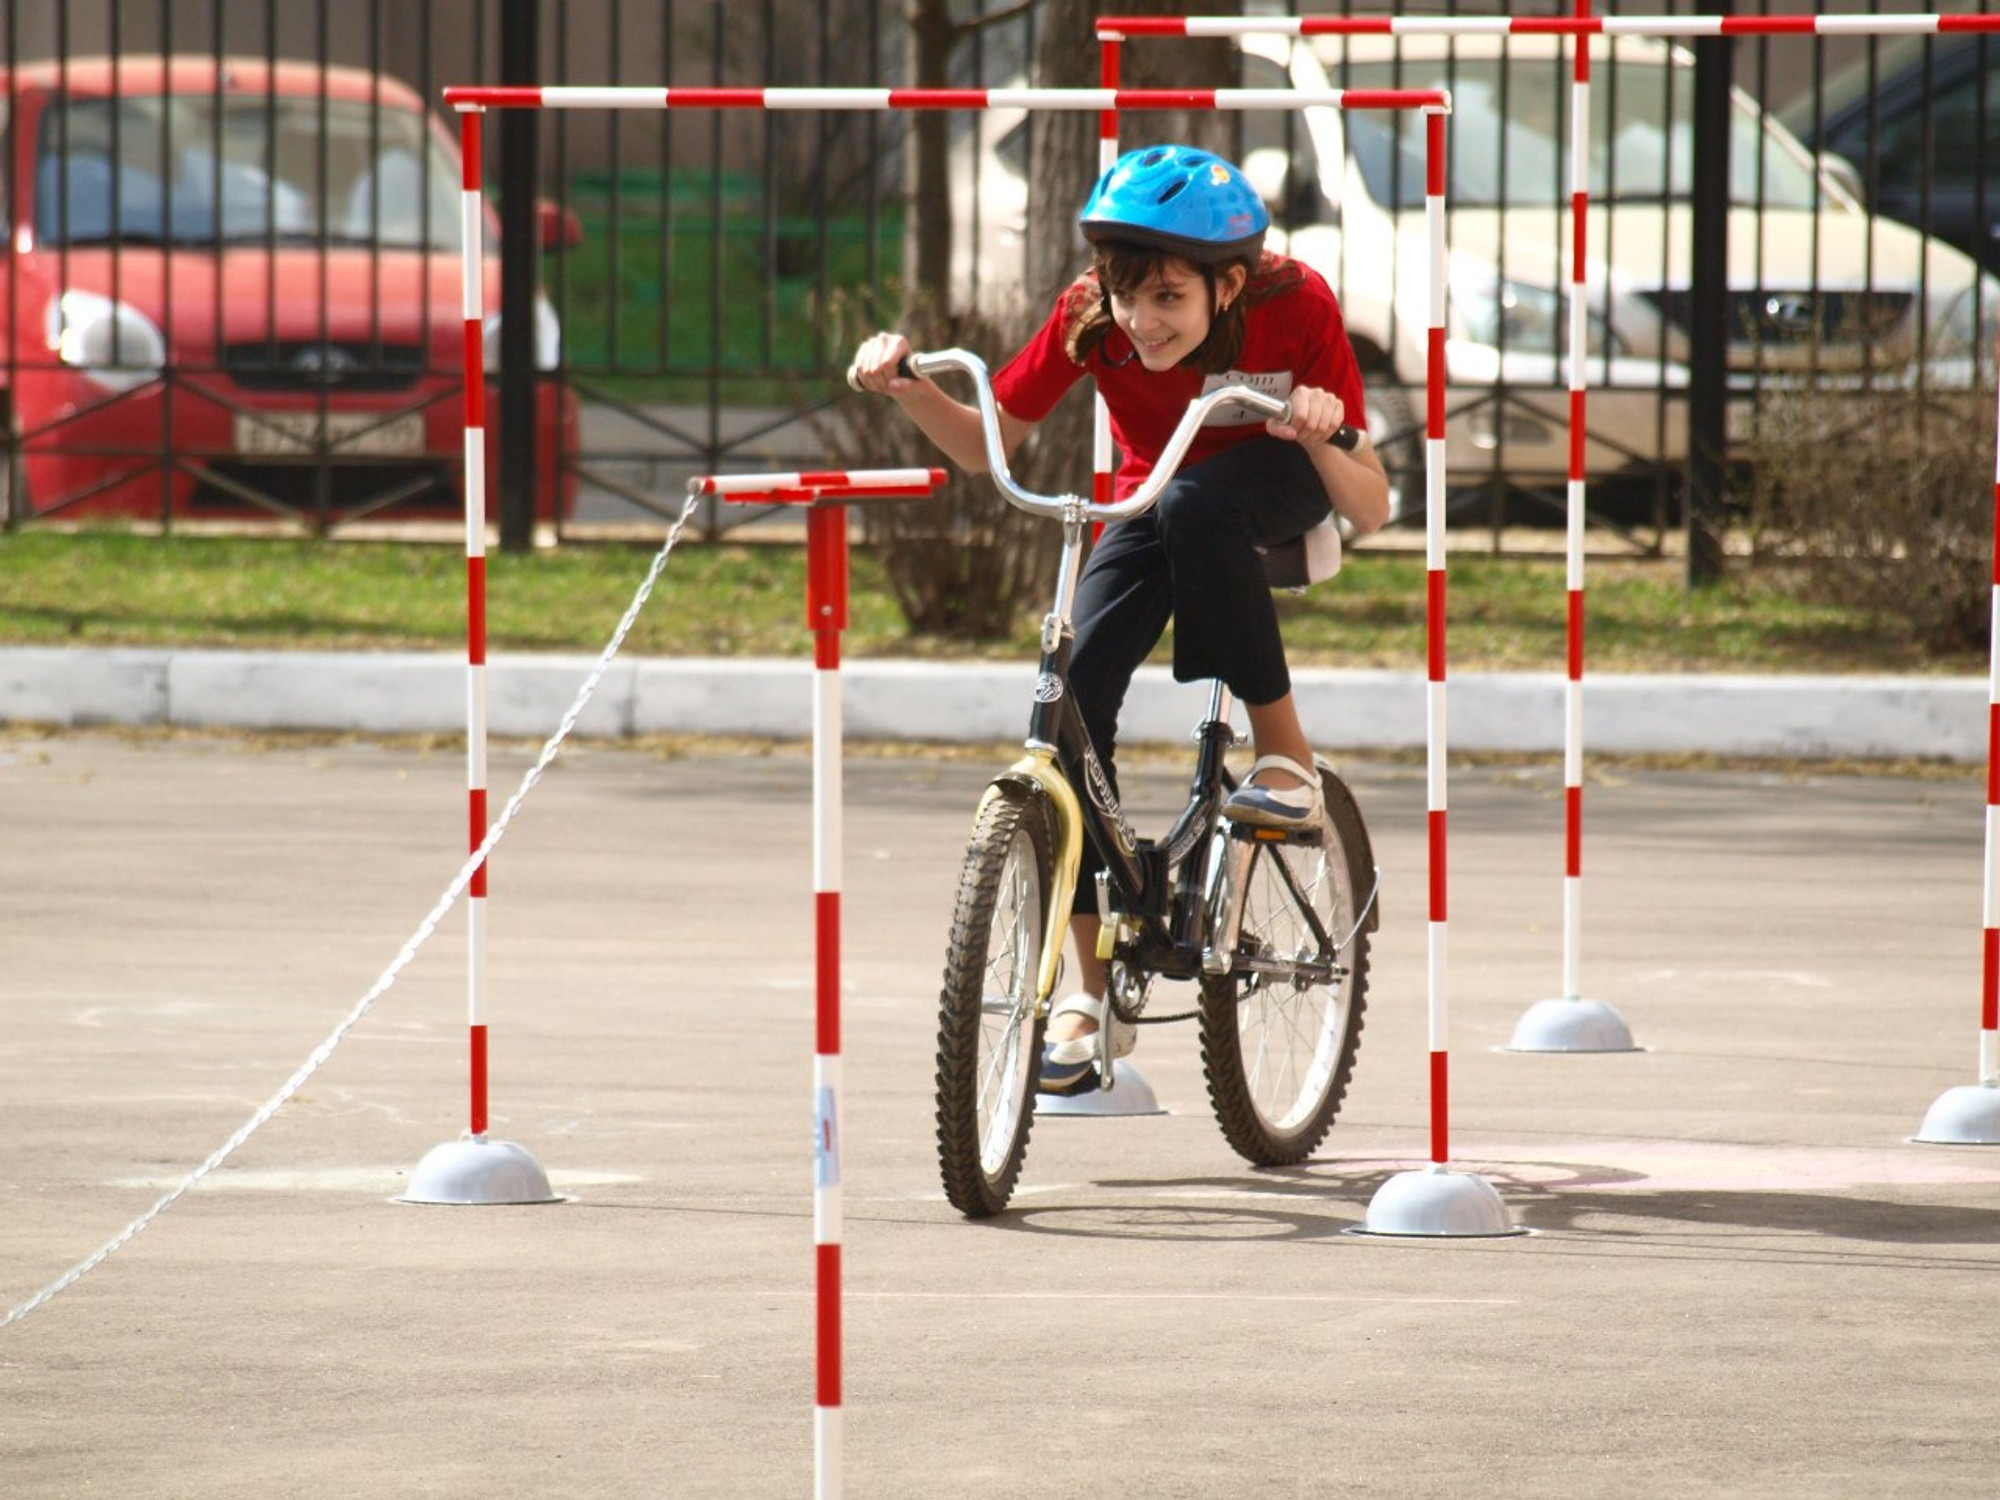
[1276,383]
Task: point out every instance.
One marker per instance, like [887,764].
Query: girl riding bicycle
[1179,298]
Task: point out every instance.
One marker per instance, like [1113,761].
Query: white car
[1817,288]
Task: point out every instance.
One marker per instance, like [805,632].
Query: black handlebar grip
[1343,436]
[903,369]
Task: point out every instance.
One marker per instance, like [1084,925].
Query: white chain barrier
[402,959]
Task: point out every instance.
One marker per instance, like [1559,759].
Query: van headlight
[1524,316]
[113,344]
[1971,323]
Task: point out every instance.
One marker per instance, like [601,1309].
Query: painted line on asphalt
[344,1180]
[1072,1295]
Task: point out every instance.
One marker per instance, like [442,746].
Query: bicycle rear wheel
[1280,1030]
[989,1035]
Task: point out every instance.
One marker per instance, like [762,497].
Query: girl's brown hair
[1119,266]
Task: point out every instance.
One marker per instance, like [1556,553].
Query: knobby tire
[989,1032]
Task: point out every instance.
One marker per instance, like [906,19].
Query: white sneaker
[1292,808]
[1070,1066]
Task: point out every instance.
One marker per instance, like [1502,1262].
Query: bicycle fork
[1038,769]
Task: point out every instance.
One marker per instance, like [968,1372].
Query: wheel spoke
[1278,1031]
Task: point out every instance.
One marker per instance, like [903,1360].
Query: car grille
[1799,320]
[307,365]
[427,488]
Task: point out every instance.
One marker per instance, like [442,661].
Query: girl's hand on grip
[1316,416]
[881,365]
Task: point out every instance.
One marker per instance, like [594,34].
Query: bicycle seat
[1308,558]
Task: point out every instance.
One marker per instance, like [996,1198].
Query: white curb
[411,692]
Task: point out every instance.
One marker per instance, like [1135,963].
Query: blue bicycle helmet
[1180,199]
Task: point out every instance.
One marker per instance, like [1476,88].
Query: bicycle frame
[1151,883]
[1060,756]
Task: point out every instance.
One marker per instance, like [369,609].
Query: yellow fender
[1038,767]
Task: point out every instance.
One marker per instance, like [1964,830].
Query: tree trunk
[1178,63]
[1063,151]
[933,34]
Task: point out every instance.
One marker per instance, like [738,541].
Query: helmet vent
[1174,190]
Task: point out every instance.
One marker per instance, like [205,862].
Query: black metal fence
[232,277]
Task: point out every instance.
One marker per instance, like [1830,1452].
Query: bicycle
[1273,927]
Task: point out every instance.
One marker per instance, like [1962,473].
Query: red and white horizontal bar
[824,497]
[565,96]
[831,484]
[1120,27]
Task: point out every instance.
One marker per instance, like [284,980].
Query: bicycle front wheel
[1280,1030]
[989,1035]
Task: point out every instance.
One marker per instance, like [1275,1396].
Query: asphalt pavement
[1742,1279]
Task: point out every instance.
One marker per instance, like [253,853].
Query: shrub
[1882,502]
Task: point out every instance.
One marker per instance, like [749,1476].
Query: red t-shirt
[1294,337]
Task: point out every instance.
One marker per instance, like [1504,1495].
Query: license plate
[346,433]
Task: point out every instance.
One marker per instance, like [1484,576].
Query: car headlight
[548,337]
[1972,322]
[1496,310]
[115,345]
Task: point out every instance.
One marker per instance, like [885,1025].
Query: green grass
[107,587]
[1509,614]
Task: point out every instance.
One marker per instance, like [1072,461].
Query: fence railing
[230,285]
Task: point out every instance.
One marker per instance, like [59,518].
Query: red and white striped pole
[476,1169]
[1969,1115]
[826,616]
[1108,64]
[1579,347]
[471,203]
[1437,1202]
[1570,1023]
[1435,616]
[1989,1009]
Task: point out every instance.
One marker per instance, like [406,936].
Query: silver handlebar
[1059,506]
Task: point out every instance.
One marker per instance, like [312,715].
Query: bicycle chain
[1130,1014]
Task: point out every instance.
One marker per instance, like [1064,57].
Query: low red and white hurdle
[825,494]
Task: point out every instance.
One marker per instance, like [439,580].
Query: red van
[234,289]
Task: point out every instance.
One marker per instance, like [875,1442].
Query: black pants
[1192,558]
